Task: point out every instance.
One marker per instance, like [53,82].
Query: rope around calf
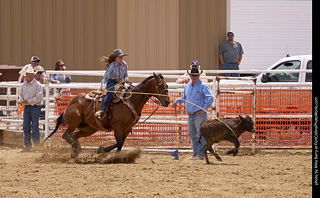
[158,94]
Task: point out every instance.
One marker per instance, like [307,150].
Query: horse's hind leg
[66,137]
[76,148]
[74,143]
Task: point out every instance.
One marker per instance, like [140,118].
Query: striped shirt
[32,92]
[115,72]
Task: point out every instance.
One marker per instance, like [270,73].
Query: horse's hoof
[100,150]
[74,154]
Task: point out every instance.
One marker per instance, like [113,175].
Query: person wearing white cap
[31,95]
[34,62]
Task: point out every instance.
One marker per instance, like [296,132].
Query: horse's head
[161,90]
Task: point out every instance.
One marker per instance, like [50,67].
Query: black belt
[194,112]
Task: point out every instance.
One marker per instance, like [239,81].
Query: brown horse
[79,114]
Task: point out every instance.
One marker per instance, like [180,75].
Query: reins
[140,92]
[156,101]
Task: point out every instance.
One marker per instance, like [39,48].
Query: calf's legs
[236,143]
[208,147]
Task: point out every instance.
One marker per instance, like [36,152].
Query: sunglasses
[36,61]
[61,65]
[194,75]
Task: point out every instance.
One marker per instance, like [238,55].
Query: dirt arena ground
[49,172]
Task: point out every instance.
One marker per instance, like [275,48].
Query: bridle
[151,98]
[147,94]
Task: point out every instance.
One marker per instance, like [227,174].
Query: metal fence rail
[283,114]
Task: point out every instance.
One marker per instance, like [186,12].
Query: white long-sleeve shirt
[32,92]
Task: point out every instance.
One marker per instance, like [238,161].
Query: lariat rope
[159,94]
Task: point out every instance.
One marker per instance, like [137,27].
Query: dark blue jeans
[31,121]
[231,66]
[110,87]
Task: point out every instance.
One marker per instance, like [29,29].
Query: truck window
[309,75]
[286,77]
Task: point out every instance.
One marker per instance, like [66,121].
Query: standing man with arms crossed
[31,95]
[198,98]
[34,62]
[230,55]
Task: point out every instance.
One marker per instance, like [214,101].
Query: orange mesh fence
[283,116]
[283,119]
[145,135]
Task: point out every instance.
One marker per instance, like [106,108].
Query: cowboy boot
[99,115]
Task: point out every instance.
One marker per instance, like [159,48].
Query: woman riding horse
[117,70]
[79,114]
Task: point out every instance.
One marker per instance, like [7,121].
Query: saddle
[96,96]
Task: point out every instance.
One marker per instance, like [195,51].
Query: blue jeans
[194,122]
[231,66]
[31,121]
[110,83]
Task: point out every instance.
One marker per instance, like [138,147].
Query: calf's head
[246,124]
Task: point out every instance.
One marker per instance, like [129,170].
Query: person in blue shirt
[198,98]
[117,70]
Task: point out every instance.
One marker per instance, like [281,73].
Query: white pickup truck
[302,63]
[298,63]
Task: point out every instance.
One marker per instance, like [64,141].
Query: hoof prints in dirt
[123,157]
[63,156]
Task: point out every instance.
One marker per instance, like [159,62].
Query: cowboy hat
[28,71]
[194,71]
[118,52]
[38,69]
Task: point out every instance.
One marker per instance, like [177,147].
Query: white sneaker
[198,158]
[191,158]
[195,158]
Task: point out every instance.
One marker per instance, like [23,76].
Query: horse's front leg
[120,138]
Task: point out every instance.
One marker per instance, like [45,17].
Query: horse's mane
[147,79]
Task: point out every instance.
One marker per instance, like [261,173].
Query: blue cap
[195,63]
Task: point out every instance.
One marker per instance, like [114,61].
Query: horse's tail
[60,120]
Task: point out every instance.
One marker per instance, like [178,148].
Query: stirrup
[99,114]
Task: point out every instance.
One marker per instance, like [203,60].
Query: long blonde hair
[107,60]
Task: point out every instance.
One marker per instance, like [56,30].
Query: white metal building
[269,30]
